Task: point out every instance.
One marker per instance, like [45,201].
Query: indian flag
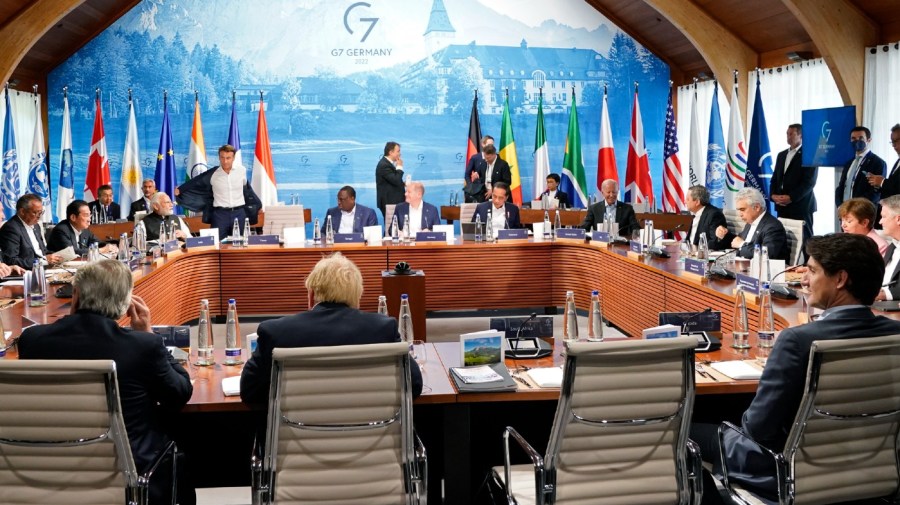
[197,152]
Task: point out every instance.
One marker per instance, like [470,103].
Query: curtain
[881,97]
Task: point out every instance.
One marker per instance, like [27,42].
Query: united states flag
[673,194]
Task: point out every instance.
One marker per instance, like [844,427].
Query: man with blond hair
[422,215]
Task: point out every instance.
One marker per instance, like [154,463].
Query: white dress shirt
[498,218]
[889,270]
[37,245]
[415,219]
[695,226]
[347,219]
[228,188]
[753,226]
[789,157]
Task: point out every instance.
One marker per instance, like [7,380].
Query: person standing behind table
[75,231]
[889,185]
[348,216]
[422,215]
[761,227]
[621,212]
[389,185]
[492,170]
[854,182]
[858,217]
[473,181]
[707,218]
[793,184]
[21,240]
[104,207]
[222,193]
[504,215]
[148,188]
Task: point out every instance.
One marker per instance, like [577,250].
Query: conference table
[666,221]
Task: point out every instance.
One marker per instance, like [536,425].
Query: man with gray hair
[890,224]
[148,188]
[621,212]
[152,386]
[707,218]
[761,228]
[422,215]
[164,212]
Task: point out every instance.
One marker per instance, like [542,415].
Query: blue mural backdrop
[340,78]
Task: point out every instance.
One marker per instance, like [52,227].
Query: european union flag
[9,188]
[165,158]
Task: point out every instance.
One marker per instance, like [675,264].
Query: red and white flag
[638,184]
[98,160]
[673,194]
[263,171]
[606,156]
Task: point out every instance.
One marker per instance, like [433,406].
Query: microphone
[514,343]
[656,251]
[720,271]
[781,290]
[684,324]
[531,318]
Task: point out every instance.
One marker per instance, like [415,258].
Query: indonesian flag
[673,194]
[263,171]
[606,156]
[638,185]
[98,160]
[197,151]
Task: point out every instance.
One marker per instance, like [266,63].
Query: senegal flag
[508,153]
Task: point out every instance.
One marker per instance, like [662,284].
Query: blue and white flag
[37,168]
[715,154]
[132,175]
[165,157]
[9,186]
[65,190]
[759,155]
[234,136]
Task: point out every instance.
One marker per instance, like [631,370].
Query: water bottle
[648,226]
[95,218]
[478,228]
[382,305]
[205,347]
[317,232]
[395,230]
[124,253]
[233,345]
[595,318]
[754,261]
[406,230]
[37,292]
[740,330]
[162,234]
[570,319]
[764,265]
[236,233]
[489,227]
[140,238]
[557,225]
[765,335]
[245,238]
[329,231]
[548,232]
[93,252]
[451,199]
[703,247]
[405,322]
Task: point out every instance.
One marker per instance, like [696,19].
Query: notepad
[550,377]
[231,386]
[477,374]
[737,370]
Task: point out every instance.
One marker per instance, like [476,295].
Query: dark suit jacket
[502,172]
[771,414]
[326,324]
[891,185]
[152,386]
[895,276]
[115,212]
[364,217]
[63,235]
[430,215]
[769,233]
[389,185]
[140,205]
[16,245]
[561,196]
[798,183]
[625,218]
[196,194]
[512,213]
[472,163]
[861,187]
[710,220]
[153,220]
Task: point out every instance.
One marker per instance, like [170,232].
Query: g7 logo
[369,20]
[826,130]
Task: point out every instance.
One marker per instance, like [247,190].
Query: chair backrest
[388,216]
[843,445]
[733,218]
[62,437]
[340,425]
[794,230]
[621,427]
[466,211]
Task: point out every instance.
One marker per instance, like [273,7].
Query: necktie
[851,177]
[893,168]
[889,254]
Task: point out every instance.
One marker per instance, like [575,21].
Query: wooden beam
[841,32]
[722,49]
[29,25]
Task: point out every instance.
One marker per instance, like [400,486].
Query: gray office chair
[843,445]
[733,218]
[793,228]
[620,434]
[340,429]
[62,436]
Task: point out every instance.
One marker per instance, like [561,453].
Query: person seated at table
[164,212]
[858,216]
[335,287]
[422,215]
[21,239]
[153,387]
[104,207]
[558,199]
[148,188]
[348,216]
[706,219]
[844,275]
[75,231]
[504,215]
[621,212]
[762,228]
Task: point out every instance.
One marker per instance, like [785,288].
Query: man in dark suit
[854,182]
[148,187]
[554,193]
[761,228]
[504,215]
[844,274]
[707,218]
[348,217]
[889,184]
[104,208]
[423,215]
[75,231]
[890,224]
[477,158]
[152,386]
[792,184]
[389,185]
[491,170]
[21,239]
[164,212]
[335,287]
[622,212]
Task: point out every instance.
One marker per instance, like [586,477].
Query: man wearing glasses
[21,239]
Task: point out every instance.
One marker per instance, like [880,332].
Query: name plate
[349,238]
[636,246]
[697,267]
[600,236]
[171,246]
[518,234]
[263,240]
[135,262]
[431,236]
[207,241]
[570,233]
[748,284]
[695,321]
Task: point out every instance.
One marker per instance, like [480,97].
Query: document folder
[505,384]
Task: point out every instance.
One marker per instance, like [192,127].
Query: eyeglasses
[35,213]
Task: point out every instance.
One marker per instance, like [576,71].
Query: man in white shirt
[890,182]
[422,215]
[761,228]
[148,187]
[793,184]
[389,186]
[890,224]
[854,177]
[503,214]
[707,218]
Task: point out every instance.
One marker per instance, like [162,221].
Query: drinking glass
[420,354]
[685,248]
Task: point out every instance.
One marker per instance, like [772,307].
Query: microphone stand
[515,346]
[720,271]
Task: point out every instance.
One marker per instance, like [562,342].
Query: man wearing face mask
[854,183]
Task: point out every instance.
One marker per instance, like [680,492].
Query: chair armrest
[729,426]
[695,467]
[144,479]
[420,467]
[536,459]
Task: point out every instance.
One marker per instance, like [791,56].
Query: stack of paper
[737,370]
[477,374]
[550,377]
[231,386]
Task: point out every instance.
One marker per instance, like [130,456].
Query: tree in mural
[464,78]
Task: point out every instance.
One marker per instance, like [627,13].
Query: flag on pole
[638,184]
[165,156]
[715,154]
[606,156]
[98,160]
[508,153]
[759,155]
[234,135]
[263,179]
[541,151]
[196,164]
[737,151]
[132,175]
[473,146]
[673,194]
[573,177]
[697,161]
[9,187]
[65,191]
[37,168]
